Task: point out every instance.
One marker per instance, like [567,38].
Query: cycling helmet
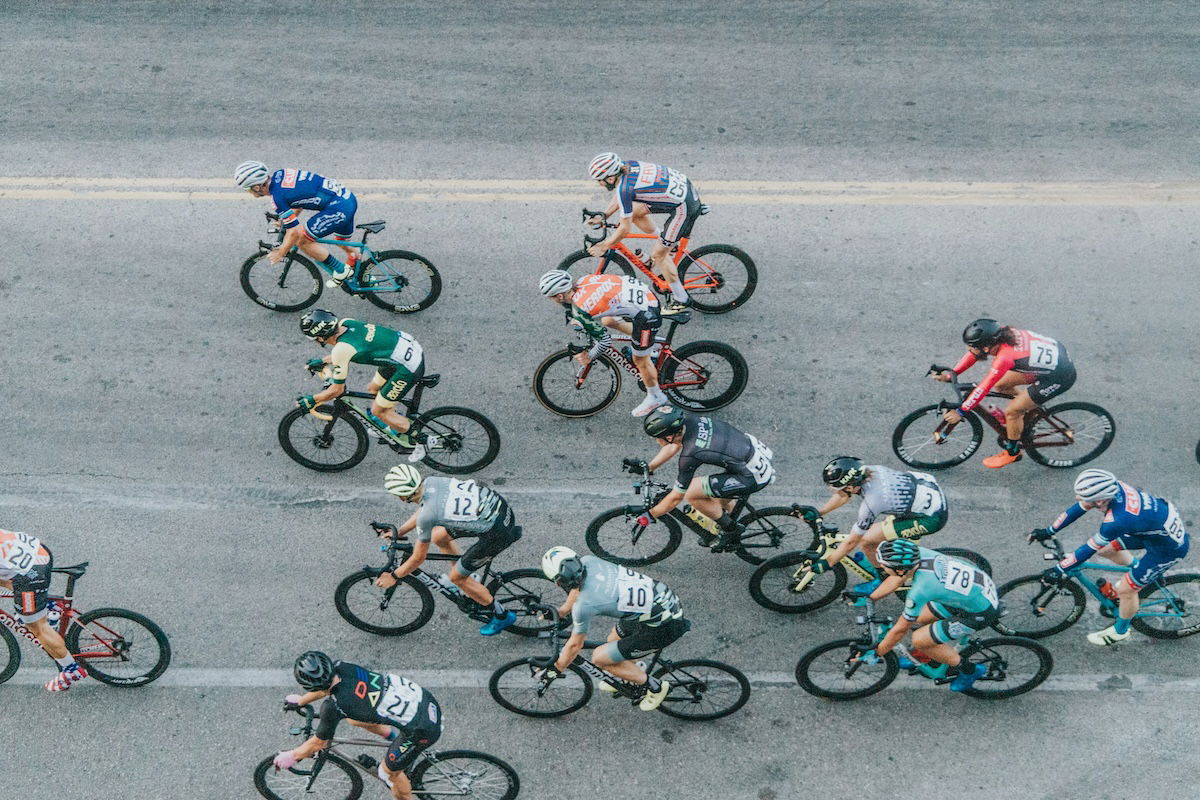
[562,565]
[313,670]
[900,554]
[1094,485]
[319,323]
[982,333]
[556,281]
[844,471]
[605,165]
[402,480]
[663,421]
[251,173]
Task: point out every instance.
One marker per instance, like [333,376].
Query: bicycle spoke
[464,777]
[122,647]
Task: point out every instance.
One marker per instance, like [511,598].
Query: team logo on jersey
[289,179]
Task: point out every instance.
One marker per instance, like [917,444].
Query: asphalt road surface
[895,169]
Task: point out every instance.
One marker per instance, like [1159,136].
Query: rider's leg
[390,391]
[871,541]
[1116,554]
[1015,411]
[49,639]
[603,657]
[645,368]
[923,642]
[697,495]
[662,263]
[405,750]
[1127,595]
[641,218]
[469,586]
[379,729]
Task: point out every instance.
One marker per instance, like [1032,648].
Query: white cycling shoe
[649,404]
[1108,636]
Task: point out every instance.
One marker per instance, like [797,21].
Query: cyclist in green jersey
[397,356]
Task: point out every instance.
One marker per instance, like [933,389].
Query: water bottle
[700,519]
[996,412]
[1107,589]
[447,584]
[858,557]
[53,613]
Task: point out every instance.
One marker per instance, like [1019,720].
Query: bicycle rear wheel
[10,655]
[556,385]
[1034,610]
[970,556]
[320,445]
[582,263]
[119,647]
[612,537]
[1069,434]
[395,611]
[466,441]
[1170,607]
[913,441]
[464,773]
[718,277]
[515,687]
[703,376]
[521,591]
[827,671]
[767,531]
[781,585]
[335,779]
[702,690]
[1014,664]
[400,281]
[291,285]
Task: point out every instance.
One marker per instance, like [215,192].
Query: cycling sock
[392,734]
[498,609]
[1121,625]
[333,263]
[67,661]
[653,683]
[1011,446]
[677,292]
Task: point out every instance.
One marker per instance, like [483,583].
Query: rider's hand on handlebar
[635,465]
[868,657]
[817,564]
[292,700]
[284,760]
[595,220]
[952,416]
[306,401]
[1039,535]
[1054,576]
[315,365]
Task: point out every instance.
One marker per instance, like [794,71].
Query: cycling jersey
[901,494]
[609,590]
[20,553]
[1033,354]
[661,188]
[946,583]
[746,461]
[293,190]
[368,343]
[462,506]
[597,296]
[377,698]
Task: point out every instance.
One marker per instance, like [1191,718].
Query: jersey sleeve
[687,471]
[330,715]
[866,516]
[1000,366]
[425,522]
[912,606]
[289,217]
[624,192]
[339,361]
[581,620]
[1067,517]
[597,332]
[964,363]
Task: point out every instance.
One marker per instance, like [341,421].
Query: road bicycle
[394,280]
[699,376]
[334,774]
[718,277]
[1065,435]
[787,584]
[615,535]
[1170,605]
[115,646]
[333,436]
[700,689]
[408,605]
[1012,665]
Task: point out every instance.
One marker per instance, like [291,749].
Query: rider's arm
[838,500]
[312,697]
[890,584]
[5,584]
[566,607]
[1066,518]
[618,233]
[309,748]
[1103,537]
[665,505]
[419,551]
[1002,363]
[570,650]
[964,363]
[408,524]
[665,454]
[893,636]
[592,327]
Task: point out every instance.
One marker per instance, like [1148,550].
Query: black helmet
[844,471]
[663,421]
[563,566]
[313,670]
[318,323]
[982,333]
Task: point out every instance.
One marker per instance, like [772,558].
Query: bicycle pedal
[366,761]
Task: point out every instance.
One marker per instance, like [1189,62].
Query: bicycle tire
[970,556]
[702,297]
[1198,452]
[436,776]
[109,638]
[804,674]
[1045,663]
[1102,429]
[908,452]
[521,591]
[577,270]
[523,684]
[693,680]
[362,584]
[307,428]
[1013,623]
[265,773]
[779,571]
[603,539]
[402,263]
[554,399]
[693,365]
[452,439]
[284,269]
[767,536]
[11,653]
[1145,624]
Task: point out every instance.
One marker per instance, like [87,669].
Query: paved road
[141,429]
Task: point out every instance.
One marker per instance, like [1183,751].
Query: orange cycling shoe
[1001,459]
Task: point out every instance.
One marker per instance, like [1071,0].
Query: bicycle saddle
[372,227]
[75,571]
[429,380]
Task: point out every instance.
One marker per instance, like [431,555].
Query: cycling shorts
[724,485]
[487,546]
[397,380]
[413,741]
[954,623]
[31,592]
[639,639]
[683,217]
[1052,384]
[913,527]
[645,323]
[1151,566]
[335,221]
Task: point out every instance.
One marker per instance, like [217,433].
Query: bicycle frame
[877,628]
[623,687]
[702,280]
[1108,606]
[831,537]
[66,602]
[665,352]
[1000,427]
[366,254]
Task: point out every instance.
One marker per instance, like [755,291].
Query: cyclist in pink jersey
[1032,367]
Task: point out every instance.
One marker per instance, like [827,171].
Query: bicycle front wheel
[333,779]
[556,385]
[10,655]
[1069,434]
[913,441]
[320,445]
[828,672]
[703,376]
[119,647]
[461,441]
[400,281]
[291,285]
[1170,607]
[464,773]
[1034,610]
[516,687]
[521,591]
[781,584]
[1014,665]
[766,531]
[702,690]
[615,536]
[582,263]
[395,611]
[718,277]
[970,556]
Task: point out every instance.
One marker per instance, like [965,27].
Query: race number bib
[1043,352]
[18,550]
[635,592]
[1174,525]
[960,578]
[677,187]
[635,294]
[408,352]
[462,502]
[400,701]
[760,463]
[927,497]
[330,185]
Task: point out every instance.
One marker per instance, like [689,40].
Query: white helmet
[556,281]
[562,565]
[251,173]
[402,480]
[604,166]
[1094,485]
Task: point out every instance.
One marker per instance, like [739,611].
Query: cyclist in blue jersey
[296,190]
[1133,520]
[640,189]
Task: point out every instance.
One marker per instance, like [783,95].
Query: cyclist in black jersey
[745,465]
[387,705]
